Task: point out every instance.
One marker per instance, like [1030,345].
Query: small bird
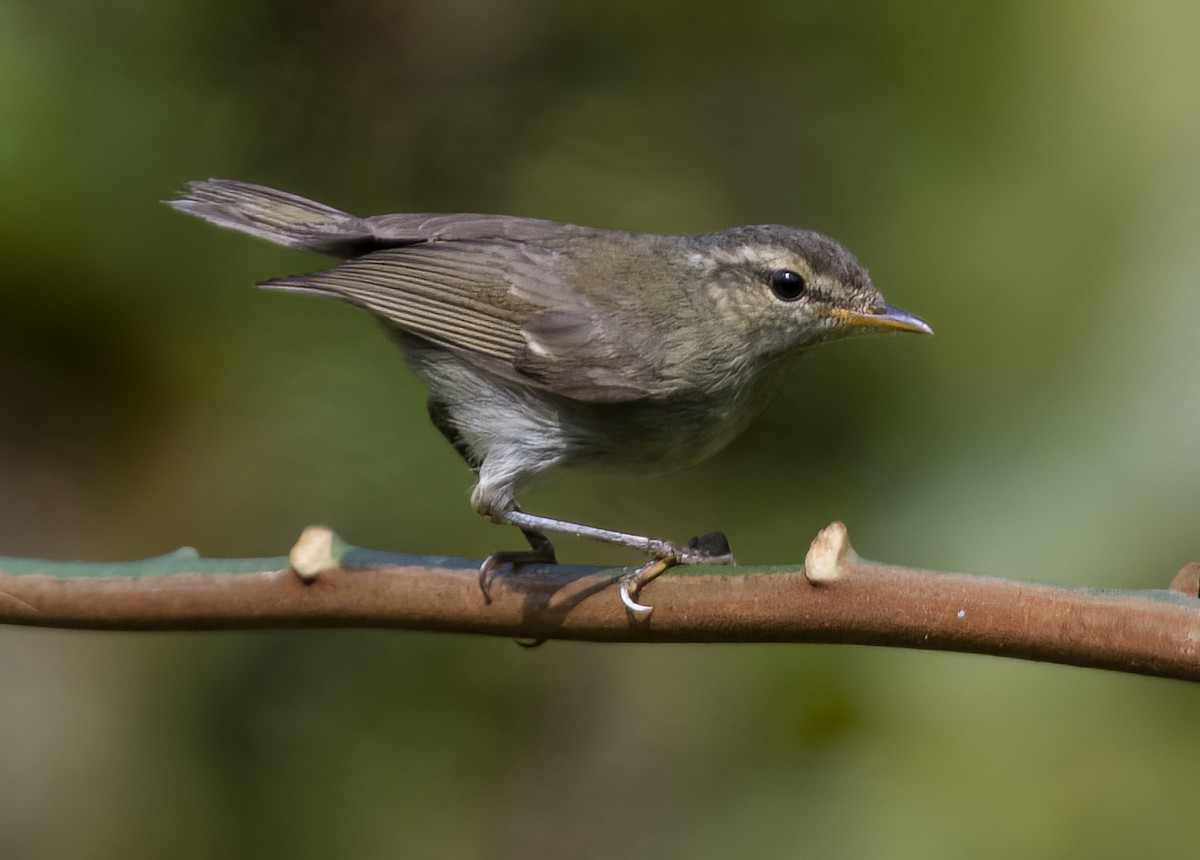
[547,345]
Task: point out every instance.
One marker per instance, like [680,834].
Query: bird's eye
[787,285]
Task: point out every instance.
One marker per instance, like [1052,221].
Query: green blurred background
[1024,175]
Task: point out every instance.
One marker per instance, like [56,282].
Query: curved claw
[633,583]
[485,576]
[640,611]
[541,551]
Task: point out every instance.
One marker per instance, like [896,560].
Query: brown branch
[836,598]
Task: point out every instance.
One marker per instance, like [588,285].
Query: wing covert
[508,307]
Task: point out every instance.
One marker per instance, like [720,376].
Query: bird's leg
[708,549]
[494,498]
[697,551]
[540,551]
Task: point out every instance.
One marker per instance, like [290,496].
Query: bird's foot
[711,548]
[542,552]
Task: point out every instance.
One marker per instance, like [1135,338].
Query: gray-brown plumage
[547,344]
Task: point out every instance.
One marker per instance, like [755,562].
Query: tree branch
[836,597]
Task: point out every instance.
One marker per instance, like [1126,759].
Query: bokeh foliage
[1023,175]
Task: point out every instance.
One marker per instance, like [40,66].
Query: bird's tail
[277,216]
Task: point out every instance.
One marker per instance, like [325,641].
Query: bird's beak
[884,317]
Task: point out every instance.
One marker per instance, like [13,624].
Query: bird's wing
[505,306]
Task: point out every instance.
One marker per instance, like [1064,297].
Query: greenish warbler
[546,344]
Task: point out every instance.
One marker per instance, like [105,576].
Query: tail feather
[277,216]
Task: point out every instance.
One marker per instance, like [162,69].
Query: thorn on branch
[313,553]
[828,551]
[1187,581]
